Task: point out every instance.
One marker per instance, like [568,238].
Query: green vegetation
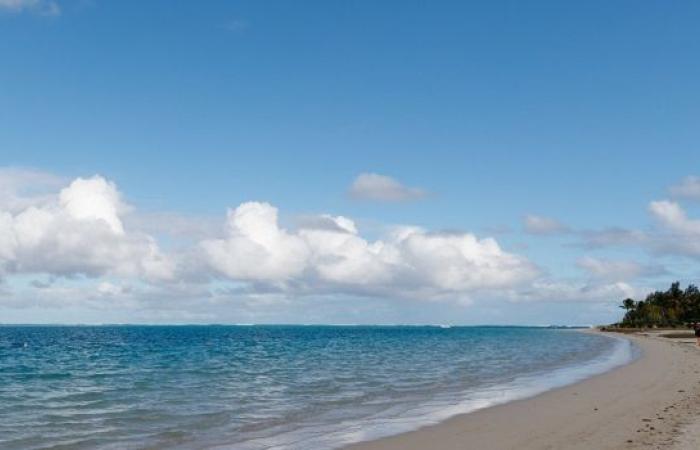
[672,308]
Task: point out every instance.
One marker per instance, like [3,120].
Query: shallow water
[263,387]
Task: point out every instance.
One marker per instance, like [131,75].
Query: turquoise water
[265,387]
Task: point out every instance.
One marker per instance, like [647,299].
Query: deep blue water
[260,387]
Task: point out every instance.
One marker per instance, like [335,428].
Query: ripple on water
[258,387]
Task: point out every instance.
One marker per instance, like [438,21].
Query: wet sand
[652,403]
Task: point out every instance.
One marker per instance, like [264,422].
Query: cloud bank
[409,262]
[81,230]
[78,243]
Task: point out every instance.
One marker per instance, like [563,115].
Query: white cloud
[59,229]
[43,7]
[381,188]
[672,233]
[255,248]
[543,225]
[617,270]
[671,216]
[678,234]
[562,291]
[94,199]
[410,262]
[688,188]
[79,231]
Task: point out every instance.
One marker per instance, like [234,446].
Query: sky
[354,162]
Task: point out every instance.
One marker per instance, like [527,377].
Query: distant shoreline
[435,325]
[642,404]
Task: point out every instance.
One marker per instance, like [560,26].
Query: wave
[402,418]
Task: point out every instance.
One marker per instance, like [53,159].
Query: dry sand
[651,403]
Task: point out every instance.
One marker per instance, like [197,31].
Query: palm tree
[627,304]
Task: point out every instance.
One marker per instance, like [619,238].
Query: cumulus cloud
[256,248]
[672,233]
[688,188]
[409,262]
[671,216]
[94,199]
[78,231]
[381,188]
[43,7]
[541,225]
[678,234]
[55,230]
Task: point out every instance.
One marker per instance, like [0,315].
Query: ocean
[270,387]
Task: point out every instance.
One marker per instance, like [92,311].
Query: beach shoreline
[649,403]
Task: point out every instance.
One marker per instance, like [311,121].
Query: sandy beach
[651,403]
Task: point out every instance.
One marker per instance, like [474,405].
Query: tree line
[671,308]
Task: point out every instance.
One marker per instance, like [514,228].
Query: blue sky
[582,114]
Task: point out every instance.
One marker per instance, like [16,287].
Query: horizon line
[438,325]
